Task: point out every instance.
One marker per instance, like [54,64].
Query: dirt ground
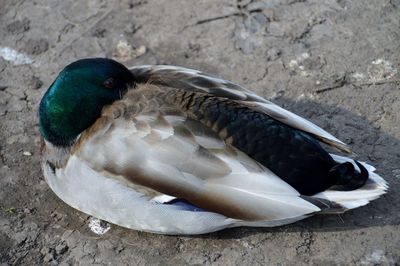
[334,62]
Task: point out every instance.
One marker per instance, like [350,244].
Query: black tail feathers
[347,177]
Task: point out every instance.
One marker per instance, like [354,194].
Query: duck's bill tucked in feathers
[159,160]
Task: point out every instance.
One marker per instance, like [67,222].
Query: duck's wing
[189,79]
[163,153]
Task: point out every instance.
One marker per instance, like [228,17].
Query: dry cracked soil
[334,62]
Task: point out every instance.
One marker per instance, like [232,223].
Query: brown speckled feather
[154,139]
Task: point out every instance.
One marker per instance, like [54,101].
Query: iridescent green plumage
[75,99]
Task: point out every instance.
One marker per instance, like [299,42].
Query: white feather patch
[373,189]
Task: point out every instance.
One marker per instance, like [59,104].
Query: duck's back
[294,156]
[278,139]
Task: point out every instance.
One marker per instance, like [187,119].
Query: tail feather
[373,187]
[348,177]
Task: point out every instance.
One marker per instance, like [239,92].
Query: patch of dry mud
[334,62]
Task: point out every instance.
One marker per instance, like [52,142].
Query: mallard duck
[172,150]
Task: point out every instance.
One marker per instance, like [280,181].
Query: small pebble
[125,51]
[99,227]
[27,153]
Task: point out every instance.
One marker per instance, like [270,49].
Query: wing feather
[178,158]
[189,79]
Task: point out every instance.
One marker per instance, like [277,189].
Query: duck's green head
[75,99]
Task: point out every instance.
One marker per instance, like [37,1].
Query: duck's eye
[109,83]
